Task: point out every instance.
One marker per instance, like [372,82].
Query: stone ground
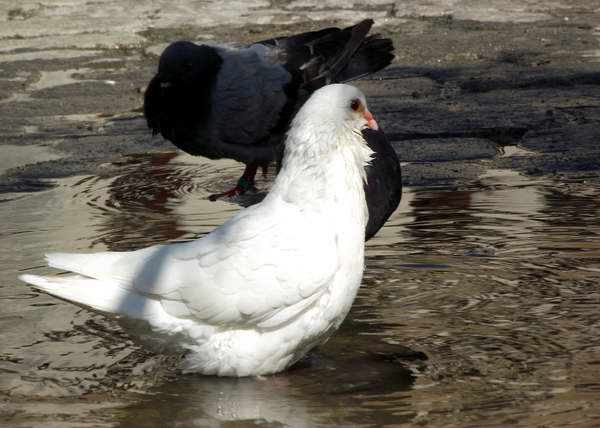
[475,85]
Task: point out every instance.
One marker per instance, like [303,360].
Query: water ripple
[496,284]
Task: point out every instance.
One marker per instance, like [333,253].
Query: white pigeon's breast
[251,352]
[272,346]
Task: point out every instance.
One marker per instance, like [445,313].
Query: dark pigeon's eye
[355,104]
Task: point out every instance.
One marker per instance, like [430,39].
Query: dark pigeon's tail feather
[334,55]
[383,189]
[297,40]
[373,55]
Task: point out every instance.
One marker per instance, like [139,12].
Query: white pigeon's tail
[100,265]
[98,295]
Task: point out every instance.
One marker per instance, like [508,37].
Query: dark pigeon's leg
[245,183]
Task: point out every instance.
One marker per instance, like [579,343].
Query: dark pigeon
[222,102]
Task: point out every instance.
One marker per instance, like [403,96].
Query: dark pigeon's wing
[249,97]
[383,189]
[333,55]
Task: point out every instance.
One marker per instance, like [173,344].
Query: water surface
[497,283]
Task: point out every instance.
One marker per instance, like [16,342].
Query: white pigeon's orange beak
[371,122]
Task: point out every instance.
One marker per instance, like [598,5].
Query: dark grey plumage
[383,190]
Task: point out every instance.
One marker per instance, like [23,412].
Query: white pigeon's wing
[250,271]
[249,95]
[263,275]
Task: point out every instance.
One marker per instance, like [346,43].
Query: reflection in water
[337,388]
[160,198]
[138,203]
[511,338]
[440,216]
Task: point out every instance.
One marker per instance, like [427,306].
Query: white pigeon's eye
[355,104]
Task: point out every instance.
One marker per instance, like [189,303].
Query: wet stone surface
[479,305]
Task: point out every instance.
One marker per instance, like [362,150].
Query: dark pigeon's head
[189,64]
[186,74]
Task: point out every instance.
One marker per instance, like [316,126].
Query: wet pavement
[479,305]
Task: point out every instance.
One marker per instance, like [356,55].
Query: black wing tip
[368,22]
[374,54]
[344,55]
[378,45]
[365,24]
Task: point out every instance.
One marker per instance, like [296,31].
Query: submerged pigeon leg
[245,183]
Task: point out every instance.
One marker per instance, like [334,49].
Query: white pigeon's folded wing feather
[275,271]
[250,271]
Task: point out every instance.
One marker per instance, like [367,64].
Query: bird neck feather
[324,167]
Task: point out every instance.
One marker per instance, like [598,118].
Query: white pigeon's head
[328,127]
[336,107]
[325,151]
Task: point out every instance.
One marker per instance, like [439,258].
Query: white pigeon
[275,280]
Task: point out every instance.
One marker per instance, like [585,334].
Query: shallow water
[496,283]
